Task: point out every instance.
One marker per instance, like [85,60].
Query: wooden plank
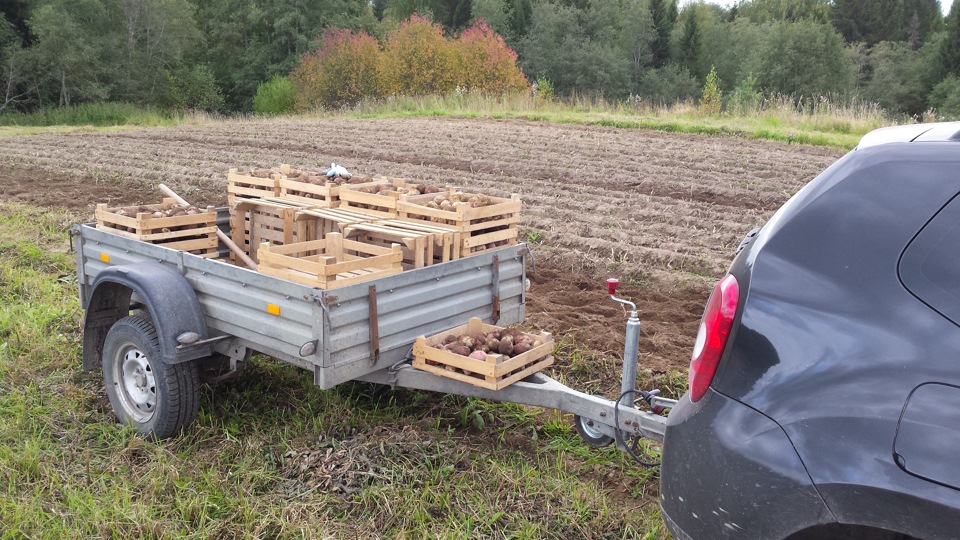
[488,238]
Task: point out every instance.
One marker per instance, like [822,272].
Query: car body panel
[728,451]
[829,344]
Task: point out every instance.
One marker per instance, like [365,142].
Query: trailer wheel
[590,434]
[158,400]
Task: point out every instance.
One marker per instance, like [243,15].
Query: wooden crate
[329,263]
[271,220]
[196,234]
[417,246]
[335,219]
[382,204]
[252,184]
[320,191]
[445,238]
[495,372]
[483,228]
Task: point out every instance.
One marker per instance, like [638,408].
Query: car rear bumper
[728,470]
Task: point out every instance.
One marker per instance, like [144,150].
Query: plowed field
[663,212]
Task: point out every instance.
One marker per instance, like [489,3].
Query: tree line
[215,54]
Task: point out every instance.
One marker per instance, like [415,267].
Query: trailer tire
[590,434]
[158,400]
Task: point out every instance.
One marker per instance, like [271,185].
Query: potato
[449,339]
[506,348]
[457,348]
[522,347]
[478,355]
[467,342]
[431,189]
[492,343]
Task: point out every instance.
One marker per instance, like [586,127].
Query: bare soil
[663,212]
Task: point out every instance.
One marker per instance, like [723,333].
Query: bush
[275,96]
[745,98]
[190,88]
[712,96]
[418,60]
[945,98]
[341,73]
[668,85]
[485,62]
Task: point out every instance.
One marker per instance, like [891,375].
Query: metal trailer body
[329,332]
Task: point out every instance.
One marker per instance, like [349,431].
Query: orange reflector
[273,309]
[104,257]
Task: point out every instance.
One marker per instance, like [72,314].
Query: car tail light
[712,336]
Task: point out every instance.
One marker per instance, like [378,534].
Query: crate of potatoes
[484,355]
[168,224]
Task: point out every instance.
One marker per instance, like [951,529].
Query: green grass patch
[271,455]
[93,115]
[839,123]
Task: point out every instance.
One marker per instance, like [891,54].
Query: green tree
[251,41]
[690,44]
[156,37]
[945,98]
[14,69]
[901,77]
[764,11]
[663,13]
[73,38]
[950,47]
[712,97]
[803,59]
[495,12]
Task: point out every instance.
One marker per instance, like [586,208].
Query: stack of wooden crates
[297,209]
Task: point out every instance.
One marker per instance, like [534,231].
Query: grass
[832,121]
[93,117]
[271,455]
[827,121]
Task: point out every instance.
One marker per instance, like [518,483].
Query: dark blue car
[824,396]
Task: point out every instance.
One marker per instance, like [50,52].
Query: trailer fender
[167,297]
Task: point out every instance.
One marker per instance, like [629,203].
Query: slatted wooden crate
[271,220]
[494,372]
[417,246]
[381,203]
[335,219]
[256,183]
[196,233]
[309,187]
[481,229]
[445,238]
[329,263]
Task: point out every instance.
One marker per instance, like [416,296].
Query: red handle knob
[612,285]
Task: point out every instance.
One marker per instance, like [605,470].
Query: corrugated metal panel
[419,302]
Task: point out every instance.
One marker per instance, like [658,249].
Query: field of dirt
[662,212]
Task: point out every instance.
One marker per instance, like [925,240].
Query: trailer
[154,314]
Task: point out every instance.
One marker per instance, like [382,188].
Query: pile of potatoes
[173,210]
[408,189]
[449,201]
[508,342]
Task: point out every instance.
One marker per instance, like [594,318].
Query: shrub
[485,62]
[945,98]
[275,96]
[543,89]
[745,98]
[190,88]
[341,73]
[712,96]
[418,60]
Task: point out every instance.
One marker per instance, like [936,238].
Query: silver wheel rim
[136,385]
[589,430]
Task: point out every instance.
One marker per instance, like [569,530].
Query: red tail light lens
[712,337]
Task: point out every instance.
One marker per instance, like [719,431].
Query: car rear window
[930,265]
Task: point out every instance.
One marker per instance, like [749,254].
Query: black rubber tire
[589,434]
[158,400]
